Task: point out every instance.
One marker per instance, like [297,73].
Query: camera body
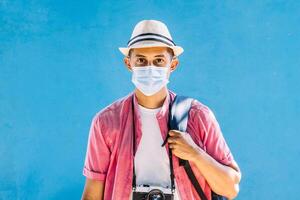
[146,192]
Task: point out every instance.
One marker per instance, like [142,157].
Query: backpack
[178,119]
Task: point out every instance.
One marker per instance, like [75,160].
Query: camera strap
[134,149]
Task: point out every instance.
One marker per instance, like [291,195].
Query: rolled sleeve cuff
[228,159]
[93,175]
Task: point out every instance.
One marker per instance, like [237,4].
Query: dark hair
[171,52]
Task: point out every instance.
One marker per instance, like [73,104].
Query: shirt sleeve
[97,153]
[213,139]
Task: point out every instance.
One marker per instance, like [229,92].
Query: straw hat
[151,33]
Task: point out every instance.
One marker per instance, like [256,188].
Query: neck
[154,101]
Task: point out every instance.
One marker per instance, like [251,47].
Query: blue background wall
[60,64]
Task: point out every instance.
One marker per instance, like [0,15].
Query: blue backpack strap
[178,119]
[180,112]
[178,116]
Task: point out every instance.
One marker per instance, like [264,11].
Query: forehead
[150,51]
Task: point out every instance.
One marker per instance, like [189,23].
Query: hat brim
[176,49]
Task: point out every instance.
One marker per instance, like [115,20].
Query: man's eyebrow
[139,55]
[161,55]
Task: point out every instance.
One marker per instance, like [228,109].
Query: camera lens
[156,194]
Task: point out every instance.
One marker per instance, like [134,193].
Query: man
[126,136]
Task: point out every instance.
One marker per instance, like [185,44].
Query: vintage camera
[146,192]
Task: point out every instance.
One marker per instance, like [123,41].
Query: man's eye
[159,60]
[140,60]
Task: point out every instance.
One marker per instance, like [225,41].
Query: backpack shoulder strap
[180,112]
[178,121]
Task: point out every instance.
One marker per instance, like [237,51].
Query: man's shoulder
[201,109]
[198,108]
[113,109]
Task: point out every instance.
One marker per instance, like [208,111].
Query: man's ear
[174,63]
[127,63]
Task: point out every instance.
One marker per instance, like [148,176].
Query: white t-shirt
[151,159]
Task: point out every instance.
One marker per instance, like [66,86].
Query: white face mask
[150,79]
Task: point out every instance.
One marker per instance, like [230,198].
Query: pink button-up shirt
[109,153]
